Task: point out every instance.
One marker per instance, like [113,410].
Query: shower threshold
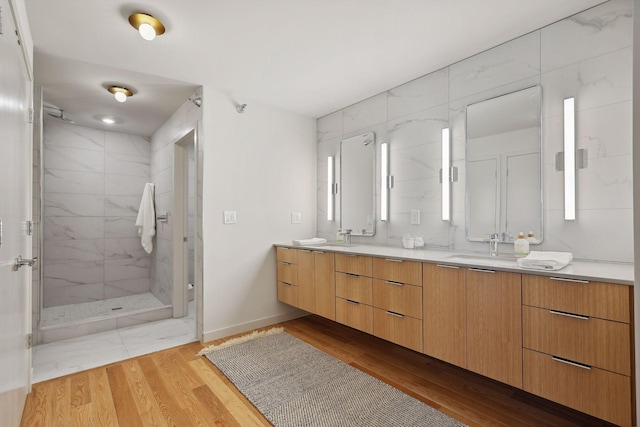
[75,320]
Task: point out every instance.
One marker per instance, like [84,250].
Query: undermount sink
[335,245]
[484,260]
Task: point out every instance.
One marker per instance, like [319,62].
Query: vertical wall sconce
[569,160]
[330,188]
[386,181]
[446,175]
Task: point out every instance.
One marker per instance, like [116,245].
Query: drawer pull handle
[352,256]
[393,260]
[286,263]
[318,252]
[447,266]
[562,279]
[285,249]
[353,302]
[480,270]
[395,314]
[575,316]
[390,282]
[569,362]
[305,250]
[287,284]
[352,275]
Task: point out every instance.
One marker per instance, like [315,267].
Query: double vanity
[563,335]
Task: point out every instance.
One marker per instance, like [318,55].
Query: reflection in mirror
[357,184]
[503,164]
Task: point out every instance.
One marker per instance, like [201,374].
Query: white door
[15,211]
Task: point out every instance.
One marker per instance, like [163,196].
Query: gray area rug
[294,384]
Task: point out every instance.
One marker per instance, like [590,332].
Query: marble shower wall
[93,182]
[587,56]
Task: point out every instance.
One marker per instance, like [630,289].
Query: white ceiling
[306,56]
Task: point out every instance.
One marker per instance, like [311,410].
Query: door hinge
[29,228]
[30,117]
[29,341]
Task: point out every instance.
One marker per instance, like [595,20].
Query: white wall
[260,164]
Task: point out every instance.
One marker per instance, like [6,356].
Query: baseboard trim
[249,326]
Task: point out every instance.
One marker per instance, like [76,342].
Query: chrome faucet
[493,244]
[347,236]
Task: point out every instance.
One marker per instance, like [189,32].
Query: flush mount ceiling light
[121,93]
[148,26]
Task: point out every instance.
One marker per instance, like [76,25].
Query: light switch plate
[296,217]
[415,216]
[230,217]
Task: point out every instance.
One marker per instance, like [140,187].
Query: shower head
[196,101]
[58,113]
[240,108]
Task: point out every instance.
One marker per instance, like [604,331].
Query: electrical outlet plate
[230,217]
[415,217]
[296,217]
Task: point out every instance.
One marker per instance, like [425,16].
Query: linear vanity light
[330,188]
[569,160]
[446,175]
[384,181]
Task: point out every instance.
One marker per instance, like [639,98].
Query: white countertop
[610,272]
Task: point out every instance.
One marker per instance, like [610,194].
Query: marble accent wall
[588,56]
[162,146]
[93,183]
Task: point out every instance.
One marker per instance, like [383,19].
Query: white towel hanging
[146,220]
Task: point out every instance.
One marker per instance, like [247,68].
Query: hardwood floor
[176,388]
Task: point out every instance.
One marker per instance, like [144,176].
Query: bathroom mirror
[503,166]
[357,184]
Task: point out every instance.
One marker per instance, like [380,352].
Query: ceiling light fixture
[108,120]
[121,93]
[148,26]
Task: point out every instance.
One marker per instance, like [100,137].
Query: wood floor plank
[122,397]
[38,408]
[80,391]
[216,408]
[150,411]
[104,411]
[82,415]
[62,402]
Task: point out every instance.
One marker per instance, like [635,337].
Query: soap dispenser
[521,246]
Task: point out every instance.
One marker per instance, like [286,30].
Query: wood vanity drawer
[600,393]
[398,270]
[594,299]
[288,273]
[287,255]
[398,297]
[354,287]
[354,314]
[354,264]
[288,293]
[402,330]
[601,343]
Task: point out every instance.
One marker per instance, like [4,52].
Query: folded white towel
[146,220]
[307,242]
[545,260]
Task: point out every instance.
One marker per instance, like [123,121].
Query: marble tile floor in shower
[73,313]
[78,354]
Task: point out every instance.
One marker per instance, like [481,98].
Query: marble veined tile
[120,227]
[420,94]
[76,159]
[73,250]
[57,275]
[124,185]
[510,62]
[69,135]
[423,194]
[122,206]
[73,294]
[156,336]
[595,82]
[365,114]
[123,269]
[84,205]
[73,228]
[127,144]
[418,128]
[73,182]
[599,30]
[162,159]
[127,287]
[330,127]
[125,164]
[417,162]
[124,248]
[163,181]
